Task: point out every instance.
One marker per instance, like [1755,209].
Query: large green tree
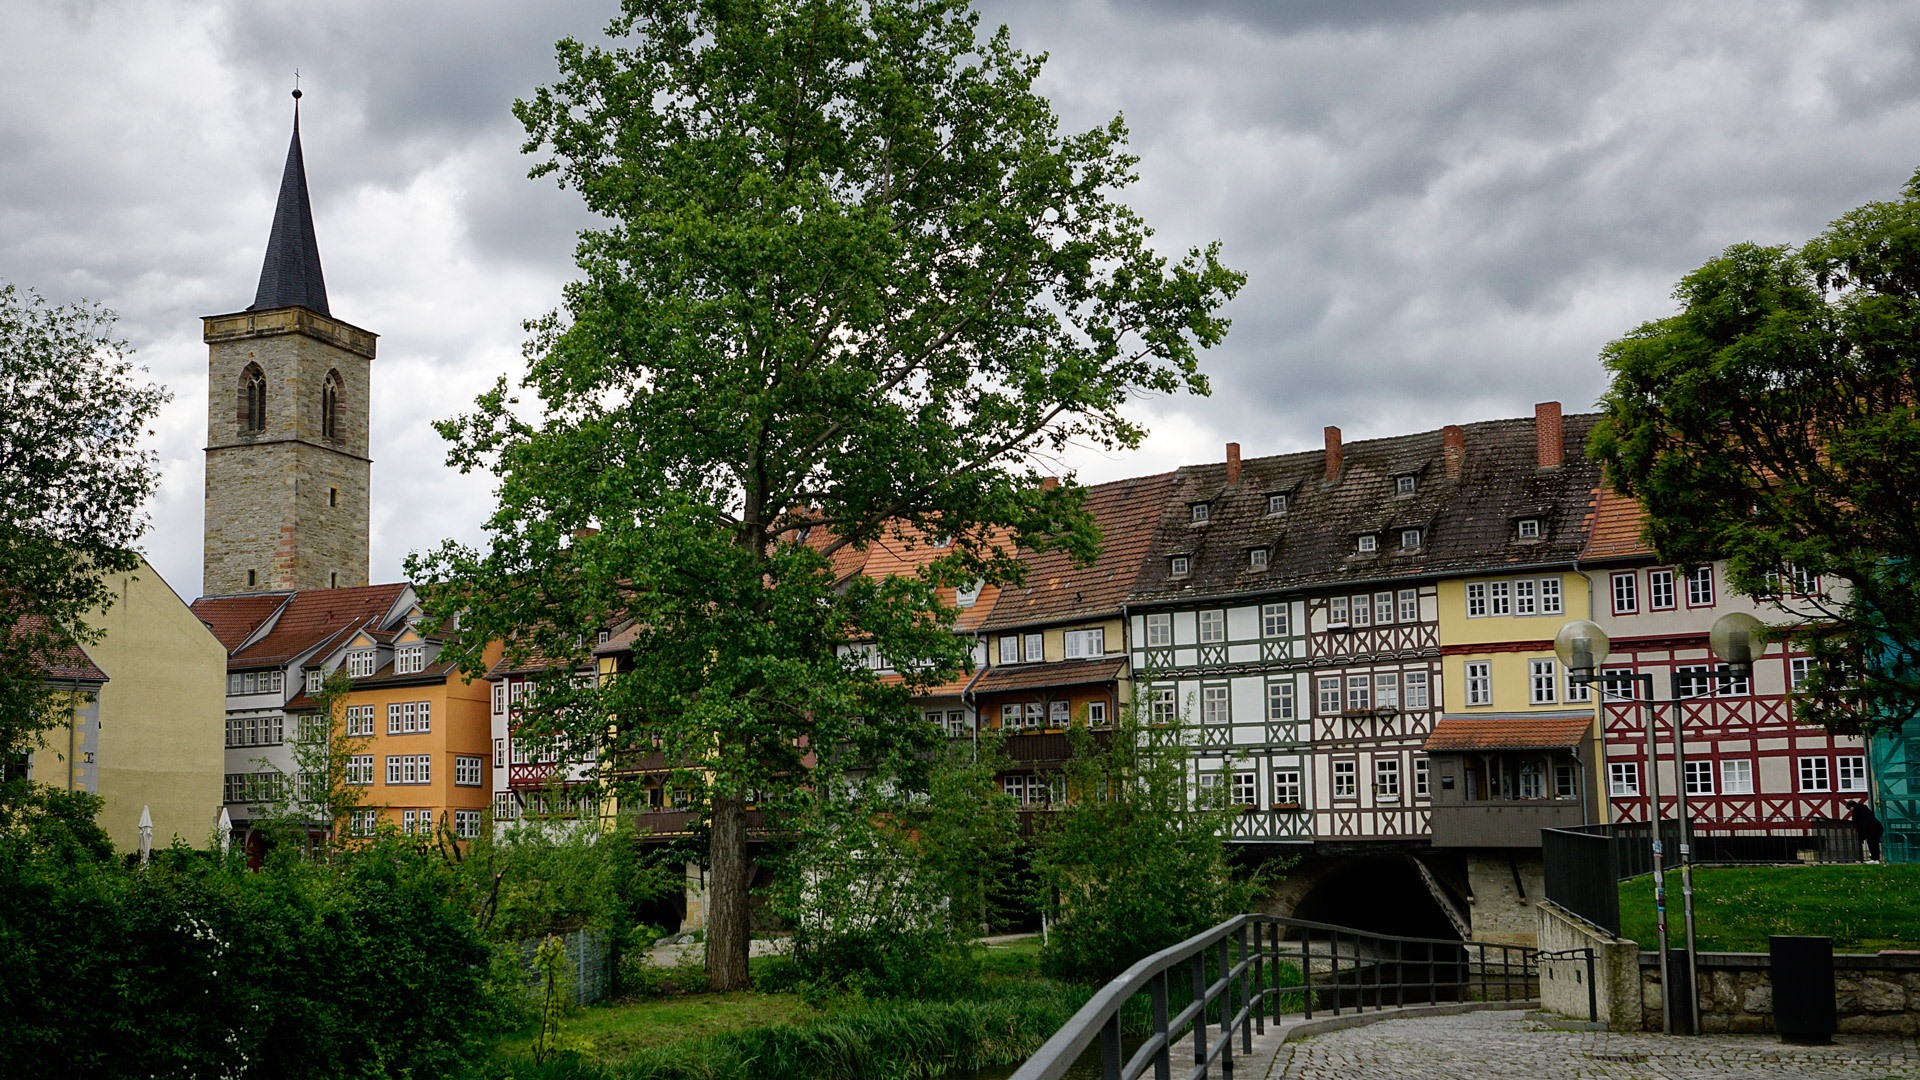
[852,279]
[1775,422]
[74,478]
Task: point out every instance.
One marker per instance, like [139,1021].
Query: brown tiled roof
[1467,524]
[71,664]
[1452,733]
[313,618]
[1036,676]
[1127,512]
[904,550]
[1617,527]
[233,618]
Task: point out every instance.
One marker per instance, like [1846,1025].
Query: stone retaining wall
[1872,992]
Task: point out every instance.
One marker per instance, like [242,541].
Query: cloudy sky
[1444,209]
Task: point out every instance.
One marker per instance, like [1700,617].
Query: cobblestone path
[1498,1045]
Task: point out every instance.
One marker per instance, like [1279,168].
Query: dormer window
[1528,529]
[1276,504]
[800,535]
[942,541]
[1180,565]
[1406,484]
[1202,512]
[360,663]
[316,679]
[968,595]
[1257,558]
[1409,539]
[1368,544]
[409,659]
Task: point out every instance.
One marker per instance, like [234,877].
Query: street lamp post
[1581,645]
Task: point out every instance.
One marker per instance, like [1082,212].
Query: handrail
[1239,979]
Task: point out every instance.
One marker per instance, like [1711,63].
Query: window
[1059,714]
[1736,777]
[408,718]
[255,682]
[1213,705]
[1800,581]
[1543,677]
[1386,689]
[1286,786]
[499,753]
[1409,605]
[414,822]
[1533,780]
[1409,539]
[1009,648]
[466,771]
[499,699]
[1010,715]
[1523,597]
[1274,621]
[936,718]
[1346,779]
[1527,528]
[409,769]
[1246,788]
[1700,587]
[1797,671]
[316,680]
[1162,707]
[1280,700]
[1337,611]
[363,822]
[1577,692]
[360,663]
[360,769]
[1499,598]
[409,659]
[1699,777]
[330,406]
[1813,774]
[1550,596]
[1476,599]
[1626,594]
[359,720]
[1015,787]
[1359,693]
[1736,685]
[1035,714]
[1159,631]
[1213,627]
[1479,682]
[969,594]
[1180,565]
[1256,558]
[1362,610]
[1422,777]
[1082,644]
[1329,696]
[1367,544]
[1386,779]
[1563,781]
[1853,772]
[1623,778]
[253,401]
[1276,504]
[503,808]
[1096,714]
[1202,512]
[1692,680]
[1033,648]
[1383,608]
[1416,687]
[1660,596]
[1405,484]
[466,824]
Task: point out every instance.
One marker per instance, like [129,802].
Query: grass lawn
[1736,908]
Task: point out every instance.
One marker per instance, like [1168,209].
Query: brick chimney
[1333,454]
[1547,435]
[1048,483]
[1453,449]
[1233,463]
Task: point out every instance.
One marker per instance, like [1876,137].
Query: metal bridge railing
[1238,974]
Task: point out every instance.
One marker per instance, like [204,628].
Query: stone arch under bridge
[1398,893]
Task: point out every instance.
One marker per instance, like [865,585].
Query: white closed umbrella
[226,831]
[146,834]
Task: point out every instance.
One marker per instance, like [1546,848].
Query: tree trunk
[727,895]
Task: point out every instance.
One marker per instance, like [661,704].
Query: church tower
[287,422]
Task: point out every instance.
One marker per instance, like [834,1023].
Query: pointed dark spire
[290,276]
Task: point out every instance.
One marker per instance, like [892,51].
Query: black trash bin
[1678,1007]
[1802,974]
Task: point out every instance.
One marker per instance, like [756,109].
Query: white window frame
[1275,620]
[1276,503]
[1213,626]
[1010,648]
[1578,693]
[1623,779]
[1033,647]
[1086,644]
[1059,714]
[1543,678]
[1409,605]
[1159,630]
[1699,776]
[1551,602]
[1523,597]
[1366,543]
[468,770]
[1257,558]
[359,770]
[1359,693]
[409,659]
[1850,772]
[361,662]
[1409,539]
[1361,610]
[1097,714]
[1201,512]
[1700,590]
[1624,587]
[1476,599]
[1422,777]
[1287,786]
[1477,678]
[1328,695]
[1386,690]
[1246,788]
[1661,592]
[1736,776]
[1814,773]
[1337,611]
[1386,779]
[1527,528]
[1179,565]
[1346,779]
[1499,598]
[1382,609]
[1406,484]
[1215,706]
[1414,691]
[1798,668]
[500,698]
[1163,705]
[1280,704]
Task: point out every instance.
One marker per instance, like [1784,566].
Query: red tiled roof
[1127,511]
[1617,527]
[63,658]
[904,550]
[312,618]
[233,618]
[1065,673]
[1507,733]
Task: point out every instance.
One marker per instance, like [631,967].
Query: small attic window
[969,594]
[1180,565]
[1276,504]
[800,535]
[942,540]
[1202,512]
[1528,529]
[1368,544]
[1409,539]
[1257,558]
[1406,484]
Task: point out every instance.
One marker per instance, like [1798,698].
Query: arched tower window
[330,406]
[253,399]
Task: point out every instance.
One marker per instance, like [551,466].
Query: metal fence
[588,955]
[1230,980]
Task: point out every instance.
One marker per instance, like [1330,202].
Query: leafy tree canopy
[852,279]
[1772,422]
[73,481]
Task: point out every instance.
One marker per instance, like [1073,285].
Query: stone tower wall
[287,503]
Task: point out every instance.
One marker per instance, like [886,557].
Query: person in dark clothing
[1868,827]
